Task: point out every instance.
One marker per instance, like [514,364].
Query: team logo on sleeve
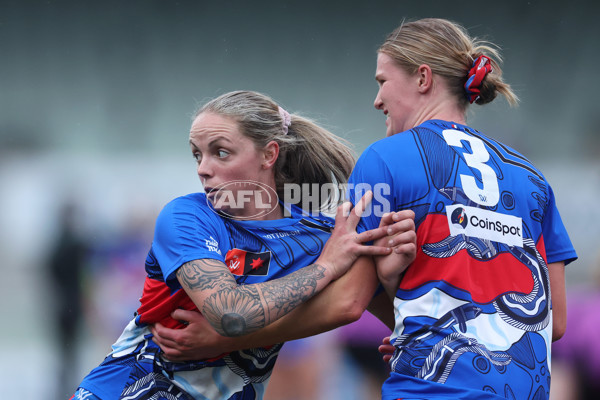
[212,245]
[241,262]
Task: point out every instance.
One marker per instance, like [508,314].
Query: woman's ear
[424,78]
[270,154]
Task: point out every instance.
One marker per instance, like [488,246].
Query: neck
[445,109]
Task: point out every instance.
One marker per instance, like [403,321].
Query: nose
[204,169]
[378,104]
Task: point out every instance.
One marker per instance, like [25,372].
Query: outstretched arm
[340,303]
[236,310]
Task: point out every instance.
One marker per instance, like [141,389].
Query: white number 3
[489,194]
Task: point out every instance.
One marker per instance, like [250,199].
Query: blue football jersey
[255,251]
[473,311]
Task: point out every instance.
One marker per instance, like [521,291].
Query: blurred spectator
[65,270]
[117,274]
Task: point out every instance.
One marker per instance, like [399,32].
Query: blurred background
[96,99]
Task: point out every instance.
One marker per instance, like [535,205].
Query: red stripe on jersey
[157,304]
[484,280]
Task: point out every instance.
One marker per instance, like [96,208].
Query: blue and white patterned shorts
[82,394]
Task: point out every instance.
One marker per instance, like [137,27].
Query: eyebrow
[212,142]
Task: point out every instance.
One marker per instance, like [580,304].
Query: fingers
[359,209]
[400,239]
[399,221]
[365,250]
[168,347]
[386,219]
[386,349]
[343,212]
[185,316]
[167,336]
[398,233]
[390,225]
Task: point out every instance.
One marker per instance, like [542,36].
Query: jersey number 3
[488,195]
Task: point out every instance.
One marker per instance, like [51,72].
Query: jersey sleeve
[186,230]
[556,240]
[371,173]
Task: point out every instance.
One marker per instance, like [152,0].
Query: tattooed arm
[340,303]
[235,310]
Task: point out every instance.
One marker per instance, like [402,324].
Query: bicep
[203,276]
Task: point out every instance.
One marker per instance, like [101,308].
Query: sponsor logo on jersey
[212,245]
[241,262]
[459,217]
[485,224]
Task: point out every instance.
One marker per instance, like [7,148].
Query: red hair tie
[481,67]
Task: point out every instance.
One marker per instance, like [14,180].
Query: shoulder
[507,156]
[392,153]
[192,203]
[187,209]
[388,148]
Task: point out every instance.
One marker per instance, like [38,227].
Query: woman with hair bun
[478,309]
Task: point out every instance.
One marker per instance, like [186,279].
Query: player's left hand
[197,341]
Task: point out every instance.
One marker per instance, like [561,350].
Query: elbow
[349,312]
[558,329]
[233,325]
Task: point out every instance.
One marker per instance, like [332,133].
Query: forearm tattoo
[235,310]
[285,294]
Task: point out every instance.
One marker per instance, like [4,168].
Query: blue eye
[197,157]
[222,153]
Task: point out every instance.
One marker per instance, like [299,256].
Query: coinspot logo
[459,217]
[485,224]
[242,200]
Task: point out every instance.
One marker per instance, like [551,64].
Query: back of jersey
[473,311]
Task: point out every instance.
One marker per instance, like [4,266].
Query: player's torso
[480,282]
[253,253]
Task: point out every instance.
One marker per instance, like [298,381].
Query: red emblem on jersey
[241,262]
